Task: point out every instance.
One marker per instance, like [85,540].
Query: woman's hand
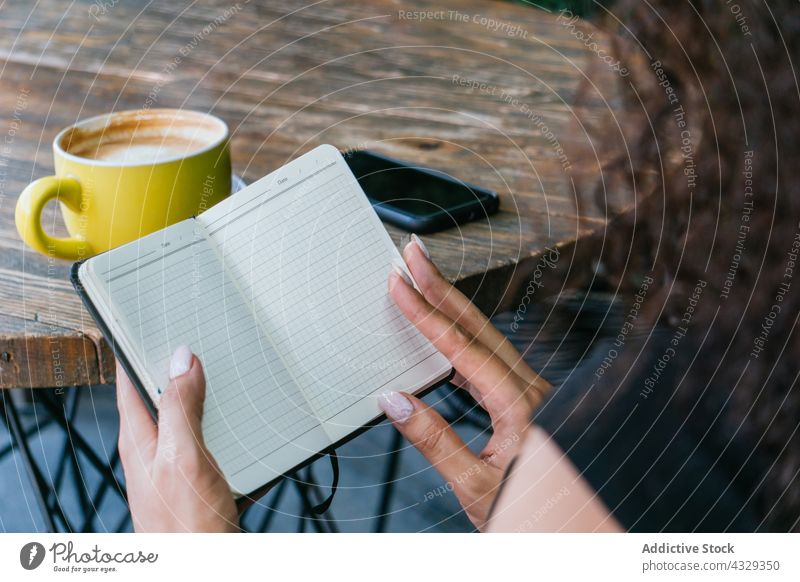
[487,365]
[174,484]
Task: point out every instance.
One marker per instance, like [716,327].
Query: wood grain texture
[287,77]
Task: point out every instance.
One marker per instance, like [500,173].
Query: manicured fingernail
[418,241]
[401,272]
[396,406]
[181,362]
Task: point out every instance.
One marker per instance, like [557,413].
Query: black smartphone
[415,198]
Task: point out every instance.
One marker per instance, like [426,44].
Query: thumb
[432,436]
[180,412]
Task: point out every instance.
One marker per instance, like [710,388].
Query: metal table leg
[38,484]
[73,454]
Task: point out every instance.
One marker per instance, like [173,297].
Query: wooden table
[286,77]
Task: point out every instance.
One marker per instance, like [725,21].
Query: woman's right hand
[487,365]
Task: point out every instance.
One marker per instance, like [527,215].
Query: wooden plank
[38,355]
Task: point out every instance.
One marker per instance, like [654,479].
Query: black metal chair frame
[77,456]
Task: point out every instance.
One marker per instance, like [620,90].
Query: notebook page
[170,289]
[312,257]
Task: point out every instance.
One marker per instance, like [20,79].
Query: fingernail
[396,406]
[418,241]
[181,362]
[403,274]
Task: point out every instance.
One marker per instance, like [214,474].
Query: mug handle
[28,217]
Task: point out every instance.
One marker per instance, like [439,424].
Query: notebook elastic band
[325,505]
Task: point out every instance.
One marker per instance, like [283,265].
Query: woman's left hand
[173,482]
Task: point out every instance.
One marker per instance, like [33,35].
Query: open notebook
[281,291]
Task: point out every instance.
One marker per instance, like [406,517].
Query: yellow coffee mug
[123,175]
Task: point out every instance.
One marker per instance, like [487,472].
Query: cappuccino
[140,138]
[142,151]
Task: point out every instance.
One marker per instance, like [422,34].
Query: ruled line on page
[252,403]
[261,200]
[328,275]
[373,391]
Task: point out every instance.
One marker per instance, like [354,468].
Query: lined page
[313,259]
[170,289]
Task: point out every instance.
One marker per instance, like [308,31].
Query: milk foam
[141,138]
[143,153]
